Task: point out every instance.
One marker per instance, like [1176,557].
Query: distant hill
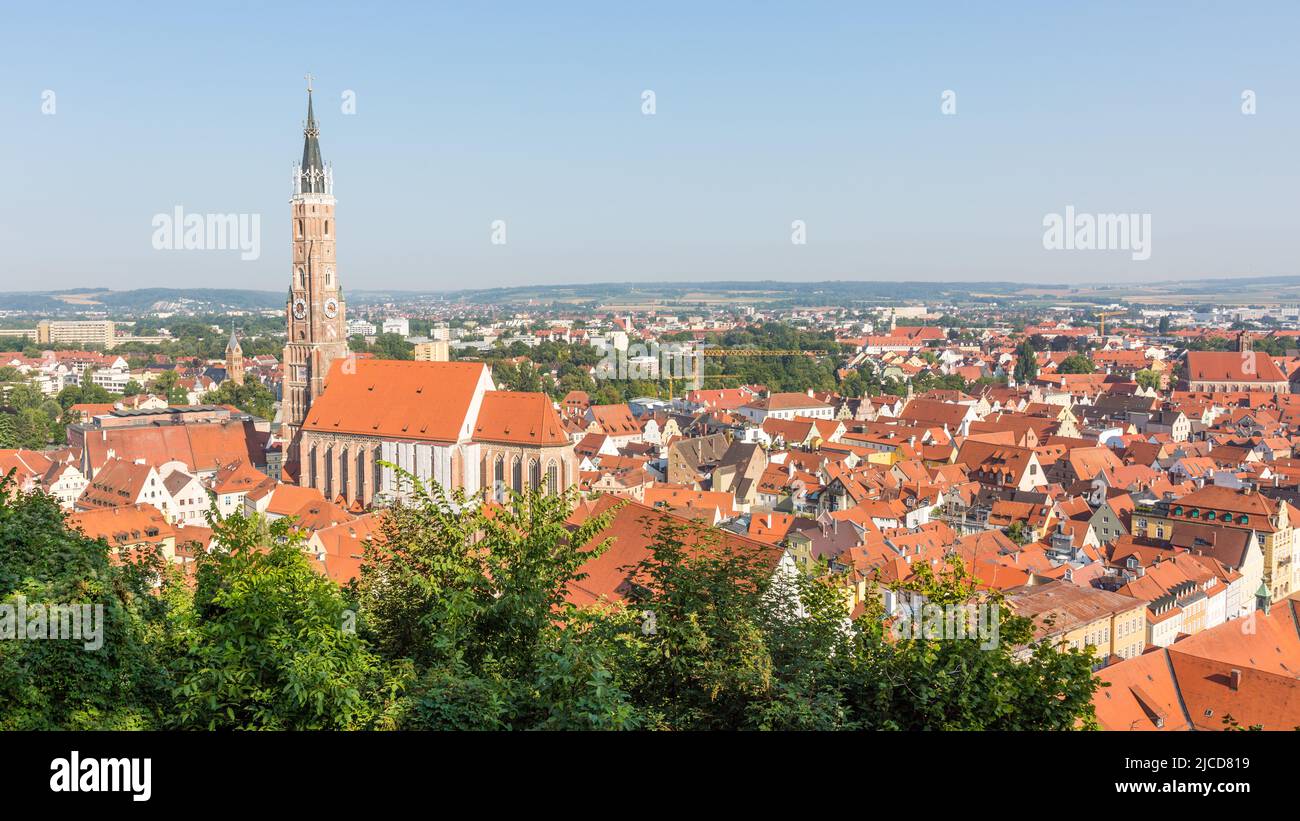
[141,300]
[760,293]
[770,293]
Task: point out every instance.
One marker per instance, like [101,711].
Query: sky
[830,123]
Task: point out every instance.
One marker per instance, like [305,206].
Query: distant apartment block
[144,340]
[360,327]
[439,350]
[75,332]
[113,380]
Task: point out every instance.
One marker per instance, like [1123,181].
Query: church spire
[312,175]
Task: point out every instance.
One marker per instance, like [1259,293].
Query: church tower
[315,305]
[234,360]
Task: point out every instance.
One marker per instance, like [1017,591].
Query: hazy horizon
[379,288]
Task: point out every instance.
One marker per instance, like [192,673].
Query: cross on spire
[312,177]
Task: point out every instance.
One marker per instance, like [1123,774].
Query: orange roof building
[443,423]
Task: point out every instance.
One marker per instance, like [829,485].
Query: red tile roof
[428,401]
[125,525]
[1232,366]
[518,418]
[201,446]
[609,576]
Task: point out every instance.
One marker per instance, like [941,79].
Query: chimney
[1235,680]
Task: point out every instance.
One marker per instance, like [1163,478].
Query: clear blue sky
[766,113]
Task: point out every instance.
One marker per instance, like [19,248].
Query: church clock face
[299,308]
[331,307]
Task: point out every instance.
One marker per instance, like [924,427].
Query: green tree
[168,384]
[476,603]
[1075,363]
[1026,368]
[1147,378]
[251,397]
[1016,532]
[729,648]
[271,646]
[463,619]
[963,684]
[392,346]
[122,683]
[83,394]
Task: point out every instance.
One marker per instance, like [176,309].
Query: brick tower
[317,329]
[234,360]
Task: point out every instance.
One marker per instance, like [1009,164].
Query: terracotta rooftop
[429,401]
[518,418]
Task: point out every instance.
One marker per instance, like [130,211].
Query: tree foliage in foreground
[58,684]
[461,619]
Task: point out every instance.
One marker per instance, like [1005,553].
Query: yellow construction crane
[1101,316]
[755,352]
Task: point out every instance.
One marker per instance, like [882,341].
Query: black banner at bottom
[145,771]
